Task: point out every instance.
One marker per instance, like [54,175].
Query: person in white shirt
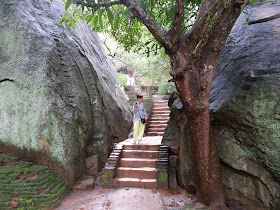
[139,112]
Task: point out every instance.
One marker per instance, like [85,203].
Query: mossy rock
[29,186]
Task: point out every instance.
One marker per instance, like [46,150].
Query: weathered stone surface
[200,206]
[172,171]
[86,184]
[245,112]
[172,137]
[92,165]
[92,171]
[91,161]
[176,137]
[173,160]
[60,98]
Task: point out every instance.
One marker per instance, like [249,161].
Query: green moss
[45,190]
[254,129]
[12,42]
[54,134]
[7,158]
[27,120]
[163,176]
[27,112]
[105,177]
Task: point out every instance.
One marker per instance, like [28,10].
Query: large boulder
[245,111]
[60,98]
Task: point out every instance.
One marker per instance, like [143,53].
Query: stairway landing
[143,165]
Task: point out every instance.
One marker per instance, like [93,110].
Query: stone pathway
[43,190]
[130,199]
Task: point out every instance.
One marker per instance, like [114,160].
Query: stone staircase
[137,165]
[139,92]
[159,118]
[145,96]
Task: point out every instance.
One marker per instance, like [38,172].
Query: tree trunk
[206,161]
[207,167]
[194,86]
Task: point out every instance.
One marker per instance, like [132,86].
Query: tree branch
[152,25]
[203,20]
[205,36]
[216,40]
[209,30]
[93,5]
[104,43]
[178,18]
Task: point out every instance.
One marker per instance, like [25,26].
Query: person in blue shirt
[139,112]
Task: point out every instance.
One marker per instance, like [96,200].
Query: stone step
[152,147]
[139,154]
[156,129]
[154,113]
[160,108]
[138,162]
[155,133]
[159,118]
[163,125]
[166,114]
[159,122]
[134,182]
[140,173]
[161,102]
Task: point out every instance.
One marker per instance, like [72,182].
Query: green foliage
[117,21]
[69,18]
[166,88]
[152,70]
[122,78]
[254,1]
[67,4]
[156,68]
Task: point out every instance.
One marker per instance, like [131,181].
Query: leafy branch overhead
[167,21]
[117,18]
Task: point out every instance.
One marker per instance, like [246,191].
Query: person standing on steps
[139,112]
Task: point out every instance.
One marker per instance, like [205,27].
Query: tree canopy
[115,19]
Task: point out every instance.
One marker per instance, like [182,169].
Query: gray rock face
[245,103]
[60,99]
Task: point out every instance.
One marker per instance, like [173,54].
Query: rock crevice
[264,19]
[7,80]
